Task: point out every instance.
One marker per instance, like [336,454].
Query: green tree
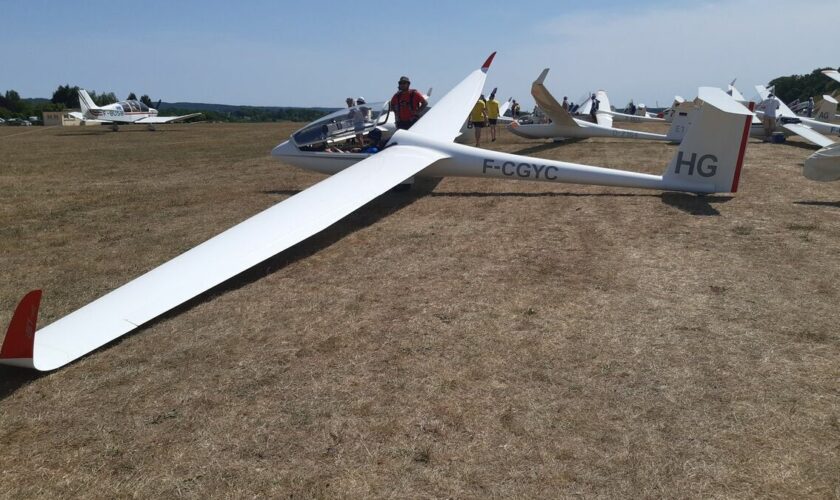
[146,100]
[131,97]
[66,96]
[790,88]
[103,99]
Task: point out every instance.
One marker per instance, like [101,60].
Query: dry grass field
[473,338]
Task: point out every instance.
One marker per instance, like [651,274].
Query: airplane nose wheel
[115,127]
[151,128]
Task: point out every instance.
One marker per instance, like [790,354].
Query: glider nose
[284,149]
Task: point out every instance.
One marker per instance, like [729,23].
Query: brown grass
[474,338]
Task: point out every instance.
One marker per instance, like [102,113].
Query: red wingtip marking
[20,337]
[486,65]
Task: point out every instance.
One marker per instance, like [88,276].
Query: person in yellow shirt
[478,118]
[492,115]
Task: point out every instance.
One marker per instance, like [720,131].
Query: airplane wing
[808,134]
[549,104]
[604,114]
[233,251]
[167,119]
[440,121]
[81,117]
[833,74]
[783,109]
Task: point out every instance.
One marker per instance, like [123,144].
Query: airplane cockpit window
[340,125]
[126,108]
[144,108]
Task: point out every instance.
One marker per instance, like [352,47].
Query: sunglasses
[403,83]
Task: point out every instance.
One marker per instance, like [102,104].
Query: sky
[300,53]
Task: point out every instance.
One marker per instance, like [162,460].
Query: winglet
[20,337]
[486,65]
[540,79]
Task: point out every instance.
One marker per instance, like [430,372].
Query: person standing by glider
[407,104]
[492,115]
[478,118]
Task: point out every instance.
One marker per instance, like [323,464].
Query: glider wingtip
[488,62]
[20,337]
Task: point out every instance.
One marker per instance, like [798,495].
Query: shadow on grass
[802,145]
[834,204]
[549,194]
[12,379]
[693,204]
[545,146]
[124,129]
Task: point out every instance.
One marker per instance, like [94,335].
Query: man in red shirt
[407,104]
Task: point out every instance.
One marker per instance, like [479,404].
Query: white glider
[564,125]
[807,128]
[123,112]
[708,160]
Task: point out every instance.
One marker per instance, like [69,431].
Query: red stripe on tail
[20,337]
[744,138]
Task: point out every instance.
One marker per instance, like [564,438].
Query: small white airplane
[563,125]
[789,123]
[123,112]
[708,161]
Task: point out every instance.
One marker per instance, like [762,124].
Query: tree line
[67,97]
[815,84]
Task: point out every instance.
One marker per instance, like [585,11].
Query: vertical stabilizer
[826,110]
[712,151]
[86,104]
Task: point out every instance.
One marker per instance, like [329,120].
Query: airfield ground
[472,338]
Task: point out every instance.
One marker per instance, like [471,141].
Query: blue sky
[287,54]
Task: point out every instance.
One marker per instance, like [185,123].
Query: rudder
[712,151]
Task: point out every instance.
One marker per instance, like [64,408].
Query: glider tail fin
[19,343]
[826,110]
[85,102]
[680,121]
[710,155]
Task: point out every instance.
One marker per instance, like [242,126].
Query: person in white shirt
[770,105]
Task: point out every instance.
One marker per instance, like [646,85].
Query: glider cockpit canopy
[341,125]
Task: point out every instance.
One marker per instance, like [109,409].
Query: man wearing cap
[407,104]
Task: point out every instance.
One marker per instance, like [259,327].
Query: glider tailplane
[710,155]
[85,102]
[19,343]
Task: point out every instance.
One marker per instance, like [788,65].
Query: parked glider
[563,125]
[708,160]
[123,112]
[787,122]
